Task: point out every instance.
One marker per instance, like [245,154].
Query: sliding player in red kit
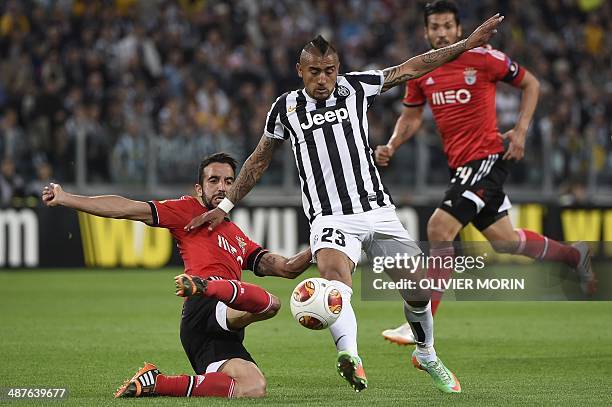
[461,95]
[218,305]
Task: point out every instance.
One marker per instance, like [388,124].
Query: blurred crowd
[152,86]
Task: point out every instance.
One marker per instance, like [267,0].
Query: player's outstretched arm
[530,91]
[406,126]
[107,206]
[253,168]
[251,172]
[276,265]
[427,62]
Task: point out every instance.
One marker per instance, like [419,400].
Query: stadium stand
[136,92]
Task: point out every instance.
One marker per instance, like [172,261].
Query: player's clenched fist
[52,194]
[516,147]
[383,155]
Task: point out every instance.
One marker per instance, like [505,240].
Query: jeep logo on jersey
[330,116]
[450,97]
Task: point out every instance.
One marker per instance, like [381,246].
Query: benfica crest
[241,243]
[469,75]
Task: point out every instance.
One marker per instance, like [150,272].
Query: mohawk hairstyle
[321,45]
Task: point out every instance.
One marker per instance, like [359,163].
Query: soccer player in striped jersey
[348,207]
[461,95]
[218,305]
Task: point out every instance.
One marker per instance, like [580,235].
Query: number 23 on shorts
[331,235]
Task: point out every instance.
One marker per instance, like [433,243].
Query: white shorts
[378,232]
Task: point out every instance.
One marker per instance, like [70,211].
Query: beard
[208,201]
[440,44]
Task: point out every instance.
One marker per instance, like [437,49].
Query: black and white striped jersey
[330,145]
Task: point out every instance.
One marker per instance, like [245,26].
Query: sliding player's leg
[250,381]
[237,294]
[235,378]
[223,367]
[213,345]
[240,319]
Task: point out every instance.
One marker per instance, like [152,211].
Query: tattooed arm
[427,62]
[276,265]
[251,172]
[421,64]
[253,168]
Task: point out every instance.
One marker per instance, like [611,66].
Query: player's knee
[260,387]
[438,232]
[251,386]
[274,307]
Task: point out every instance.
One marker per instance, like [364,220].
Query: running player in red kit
[461,95]
[219,306]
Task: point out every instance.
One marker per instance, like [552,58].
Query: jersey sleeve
[170,213]
[501,68]
[254,253]
[274,127]
[371,81]
[414,95]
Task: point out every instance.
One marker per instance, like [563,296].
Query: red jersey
[224,252]
[461,95]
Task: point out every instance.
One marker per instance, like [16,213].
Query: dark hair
[223,158]
[321,45]
[439,7]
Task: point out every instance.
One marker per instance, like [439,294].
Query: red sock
[540,247]
[239,295]
[435,303]
[207,385]
[439,274]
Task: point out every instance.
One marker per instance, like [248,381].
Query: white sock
[344,330]
[421,322]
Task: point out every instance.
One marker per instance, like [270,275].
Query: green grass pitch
[88,330]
